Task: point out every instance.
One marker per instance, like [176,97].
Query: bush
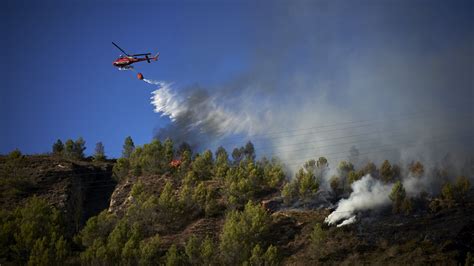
[58,147]
[192,251]
[461,187]
[99,154]
[242,231]
[149,250]
[33,234]
[207,251]
[121,169]
[397,196]
[317,237]
[173,257]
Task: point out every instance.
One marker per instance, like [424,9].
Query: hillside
[78,188]
[160,214]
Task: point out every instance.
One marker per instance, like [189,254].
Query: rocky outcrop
[79,189]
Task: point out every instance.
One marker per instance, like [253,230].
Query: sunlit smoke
[351,220]
[197,110]
[367,194]
[296,83]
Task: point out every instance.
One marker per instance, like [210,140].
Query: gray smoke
[367,194]
[318,66]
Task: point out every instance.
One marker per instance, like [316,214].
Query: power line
[344,144]
[300,160]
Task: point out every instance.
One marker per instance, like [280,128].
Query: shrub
[121,169]
[242,231]
[397,196]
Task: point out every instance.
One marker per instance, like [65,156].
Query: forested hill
[163,204]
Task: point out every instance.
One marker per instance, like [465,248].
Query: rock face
[120,197]
[80,189]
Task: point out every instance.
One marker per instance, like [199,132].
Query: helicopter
[125,61]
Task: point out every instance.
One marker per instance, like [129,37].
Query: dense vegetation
[192,186]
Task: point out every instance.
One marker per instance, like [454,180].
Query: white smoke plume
[367,194]
[196,112]
[351,220]
[302,87]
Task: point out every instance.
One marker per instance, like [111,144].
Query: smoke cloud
[367,194]
[324,78]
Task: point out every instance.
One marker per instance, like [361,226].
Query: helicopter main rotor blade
[141,54]
[120,48]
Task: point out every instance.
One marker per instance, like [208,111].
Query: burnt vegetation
[165,204]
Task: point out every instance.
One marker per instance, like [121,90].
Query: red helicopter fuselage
[125,61]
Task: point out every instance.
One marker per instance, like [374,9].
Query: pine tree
[317,237]
[397,195]
[79,148]
[99,154]
[386,172]
[69,149]
[173,258]
[207,251]
[128,147]
[192,251]
[58,147]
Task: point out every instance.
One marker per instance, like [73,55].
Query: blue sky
[58,81]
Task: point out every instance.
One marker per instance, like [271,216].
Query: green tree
[169,211]
[237,155]
[308,185]
[289,192]
[370,168]
[386,172]
[271,256]
[273,173]
[222,163]
[461,187]
[249,151]
[203,165]
[334,183]
[407,206]
[447,195]
[149,251]
[79,148]
[322,162]
[97,228]
[397,196]
[257,256]
[469,259]
[417,169]
[121,169]
[173,258]
[131,251]
[14,176]
[168,150]
[343,168]
[69,148]
[58,147]
[317,236]
[192,251]
[152,159]
[241,232]
[116,240]
[186,198]
[99,154]
[35,234]
[207,251]
[128,147]
[323,167]
[354,176]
